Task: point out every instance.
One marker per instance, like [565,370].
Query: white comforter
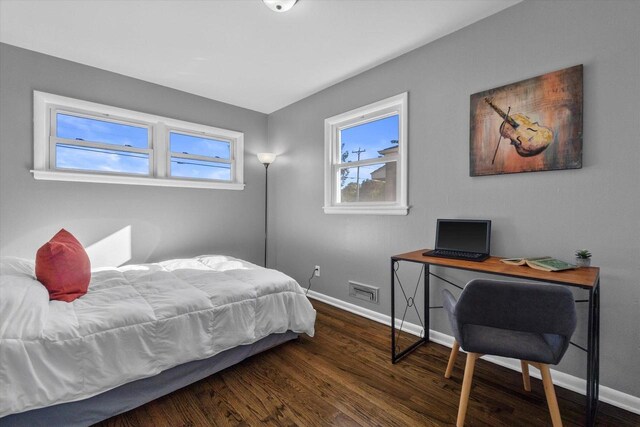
[135,322]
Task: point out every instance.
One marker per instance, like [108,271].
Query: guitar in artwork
[527,137]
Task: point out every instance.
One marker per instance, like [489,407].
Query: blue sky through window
[85,129]
[69,156]
[181,143]
[76,128]
[101,160]
[368,139]
[200,146]
[371,137]
[188,168]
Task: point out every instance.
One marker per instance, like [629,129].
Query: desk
[587,279]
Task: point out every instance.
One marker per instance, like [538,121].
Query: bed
[141,331]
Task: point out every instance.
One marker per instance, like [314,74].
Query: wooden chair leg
[452,359]
[466,387]
[550,392]
[525,375]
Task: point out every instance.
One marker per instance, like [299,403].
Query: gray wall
[551,213]
[544,213]
[165,222]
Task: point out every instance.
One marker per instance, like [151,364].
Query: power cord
[309,281]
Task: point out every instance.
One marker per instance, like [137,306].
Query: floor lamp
[266,159]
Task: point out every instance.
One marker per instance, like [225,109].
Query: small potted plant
[583,258]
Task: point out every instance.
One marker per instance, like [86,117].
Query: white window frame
[46,105]
[53,139]
[191,132]
[333,125]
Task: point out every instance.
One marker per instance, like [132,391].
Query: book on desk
[540,263]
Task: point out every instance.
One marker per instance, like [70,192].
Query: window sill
[133,180]
[367,210]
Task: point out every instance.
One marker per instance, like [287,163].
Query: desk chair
[526,321]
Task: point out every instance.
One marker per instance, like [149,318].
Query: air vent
[363,292]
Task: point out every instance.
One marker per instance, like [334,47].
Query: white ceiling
[236,51]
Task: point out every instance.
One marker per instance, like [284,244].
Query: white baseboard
[614,397]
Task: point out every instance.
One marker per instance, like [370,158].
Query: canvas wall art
[528,126]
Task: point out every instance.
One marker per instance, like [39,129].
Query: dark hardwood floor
[343,376]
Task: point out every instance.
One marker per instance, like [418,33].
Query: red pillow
[63,267]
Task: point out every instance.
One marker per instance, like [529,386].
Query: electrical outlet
[316,271]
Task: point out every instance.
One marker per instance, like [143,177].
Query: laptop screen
[464,235]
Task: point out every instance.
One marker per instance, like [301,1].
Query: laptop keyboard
[456,254]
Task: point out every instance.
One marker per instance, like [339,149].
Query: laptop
[467,239]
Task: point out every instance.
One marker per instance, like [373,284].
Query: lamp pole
[266,203]
[266,159]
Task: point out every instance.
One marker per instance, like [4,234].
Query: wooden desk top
[584,277]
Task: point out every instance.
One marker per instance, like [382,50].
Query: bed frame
[131,395]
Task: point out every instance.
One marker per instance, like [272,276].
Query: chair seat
[534,347]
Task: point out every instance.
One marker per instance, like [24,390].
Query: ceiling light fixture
[279,5]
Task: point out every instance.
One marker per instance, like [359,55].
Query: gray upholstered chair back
[527,307]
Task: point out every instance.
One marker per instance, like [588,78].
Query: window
[83,143]
[199,157]
[366,159]
[76,140]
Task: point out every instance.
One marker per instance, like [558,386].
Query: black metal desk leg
[593,355]
[410,300]
[393,314]
[596,362]
[427,324]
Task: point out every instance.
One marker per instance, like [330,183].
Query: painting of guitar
[540,117]
[527,137]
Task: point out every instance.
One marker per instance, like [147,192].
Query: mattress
[86,412]
[134,322]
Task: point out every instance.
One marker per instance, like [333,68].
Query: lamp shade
[266,158]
